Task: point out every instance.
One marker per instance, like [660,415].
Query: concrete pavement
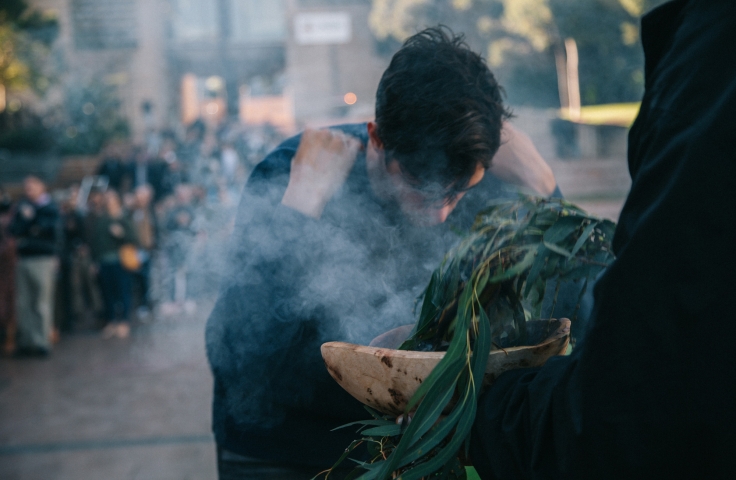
[111,409]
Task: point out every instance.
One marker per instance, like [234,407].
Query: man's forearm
[519,162]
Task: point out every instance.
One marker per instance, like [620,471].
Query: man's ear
[373,136]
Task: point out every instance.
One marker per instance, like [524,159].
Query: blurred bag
[129,259]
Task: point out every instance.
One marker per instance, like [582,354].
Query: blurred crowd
[140,239]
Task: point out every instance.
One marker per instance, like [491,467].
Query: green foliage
[23,130]
[25,38]
[88,118]
[11,10]
[483,294]
[92,116]
[519,38]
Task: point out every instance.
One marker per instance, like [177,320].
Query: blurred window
[195,19]
[255,21]
[104,24]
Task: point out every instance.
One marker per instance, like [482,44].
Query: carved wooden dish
[385,379]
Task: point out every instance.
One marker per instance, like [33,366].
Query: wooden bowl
[385,379]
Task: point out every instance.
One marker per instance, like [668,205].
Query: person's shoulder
[278,161]
[357,130]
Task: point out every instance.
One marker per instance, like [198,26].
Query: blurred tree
[91,117]
[25,38]
[520,39]
[86,112]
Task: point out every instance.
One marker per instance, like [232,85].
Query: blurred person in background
[191,148]
[144,223]
[113,167]
[177,170]
[151,171]
[88,299]
[140,167]
[230,162]
[73,239]
[35,225]
[8,261]
[111,231]
[180,233]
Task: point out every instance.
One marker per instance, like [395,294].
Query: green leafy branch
[480,298]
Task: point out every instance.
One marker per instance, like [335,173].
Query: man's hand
[320,166]
[518,162]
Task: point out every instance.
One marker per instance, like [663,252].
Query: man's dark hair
[439,110]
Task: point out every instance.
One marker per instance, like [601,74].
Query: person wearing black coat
[650,392]
[35,225]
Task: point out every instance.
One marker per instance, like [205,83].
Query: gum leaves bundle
[517,254]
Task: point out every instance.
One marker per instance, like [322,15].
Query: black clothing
[72,227]
[116,286]
[116,172]
[73,237]
[154,173]
[36,228]
[231,466]
[651,390]
[294,283]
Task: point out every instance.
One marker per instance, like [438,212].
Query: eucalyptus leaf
[561,229]
[484,292]
[377,422]
[557,249]
[382,431]
[583,237]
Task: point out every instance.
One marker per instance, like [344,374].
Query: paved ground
[140,408]
[111,409]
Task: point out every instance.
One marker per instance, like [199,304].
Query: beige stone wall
[320,75]
[148,67]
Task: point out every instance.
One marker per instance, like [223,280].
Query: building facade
[286,62]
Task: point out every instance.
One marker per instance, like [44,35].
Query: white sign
[322,28]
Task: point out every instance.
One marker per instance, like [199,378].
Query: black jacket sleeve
[651,390]
[263,335]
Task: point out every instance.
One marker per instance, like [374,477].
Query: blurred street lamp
[573,80]
[350,98]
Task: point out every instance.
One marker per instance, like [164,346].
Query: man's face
[423,205]
[33,189]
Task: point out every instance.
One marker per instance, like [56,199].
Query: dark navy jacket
[37,228]
[651,390]
[295,283]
